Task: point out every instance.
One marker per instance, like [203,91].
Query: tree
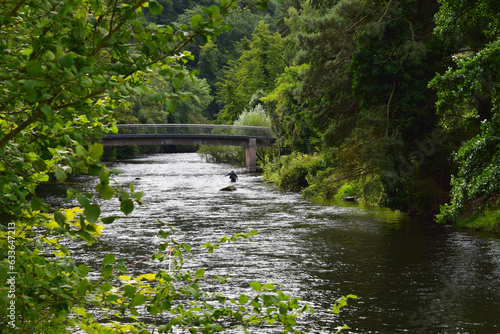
[256,116]
[363,97]
[193,110]
[65,66]
[290,121]
[468,104]
[256,69]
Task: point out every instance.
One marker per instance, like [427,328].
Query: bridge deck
[184,139]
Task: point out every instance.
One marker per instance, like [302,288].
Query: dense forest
[386,101]
[393,102]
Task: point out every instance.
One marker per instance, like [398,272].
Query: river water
[409,276]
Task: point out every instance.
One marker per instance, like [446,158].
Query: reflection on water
[409,276]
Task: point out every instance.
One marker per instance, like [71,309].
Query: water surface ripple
[410,277]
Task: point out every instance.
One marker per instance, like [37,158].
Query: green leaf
[270,300]
[155,8]
[137,194]
[107,271]
[81,151]
[138,299]
[28,51]
[283,308]
[60,174]
[60,218]
[127,206]
[156,97]
[162,234]
[129,290]
[35,203]
[176,83]
[171,105]
[34,69]
[66,60]
[39,165]
[83,286]
[83,270]
[116,171]
[262,6]
[243,299]
[105,287]
[107,192]
[196,20]
[109,220]
[83,200]
[49,55]
[94,170]
[92,212]
[186,247]
[109,259]
[256,286]
[96,150]
[29,84]
[199,273]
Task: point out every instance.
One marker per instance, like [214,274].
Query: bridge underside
[250,144]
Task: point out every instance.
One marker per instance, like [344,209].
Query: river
[409,276]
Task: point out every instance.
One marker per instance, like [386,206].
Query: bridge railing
[195,129]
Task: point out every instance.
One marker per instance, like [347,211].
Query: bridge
[249,137]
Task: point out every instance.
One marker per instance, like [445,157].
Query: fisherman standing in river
[232,175]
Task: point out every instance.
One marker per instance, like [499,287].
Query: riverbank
[309,175]
[488,221]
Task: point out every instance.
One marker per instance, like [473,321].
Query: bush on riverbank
[293,172]
[223,154]
[488,221]
[311,175]
[475,187]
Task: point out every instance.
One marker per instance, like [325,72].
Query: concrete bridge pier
[251,155]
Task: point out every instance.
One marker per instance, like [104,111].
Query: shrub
[477,183]
[347,190]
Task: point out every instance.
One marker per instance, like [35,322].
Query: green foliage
[223,154]
[487,220]
[65,67]
[254,117]
[233,154]
[347,190]
[290,121]
[477,183]
[256,69]
[56,282]
[193,108]
[468,104]
[469,22]
[293,172]
[355,90]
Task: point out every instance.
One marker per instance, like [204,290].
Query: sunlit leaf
[256,286]
[96,150]
[109,259]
